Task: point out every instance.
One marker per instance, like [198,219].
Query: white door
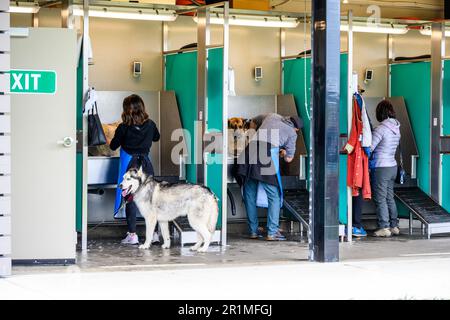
[43,146]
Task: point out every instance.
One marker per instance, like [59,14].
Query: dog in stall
[163,202]
[238,137]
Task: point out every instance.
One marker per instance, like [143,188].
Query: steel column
[437,70]
[84,225]
[226,46]
[165,48]
[324,228]
[35,17]
[389,59]
[67,18]
[282,54]
[349,117]
[202,90]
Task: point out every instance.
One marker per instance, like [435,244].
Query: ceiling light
[376,28]
[137,14]
[23,7]
[255,21]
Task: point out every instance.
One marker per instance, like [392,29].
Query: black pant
[357,203]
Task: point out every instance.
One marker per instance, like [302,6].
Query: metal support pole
[389,58]
[282,54]
[35,17]
[202,90]
[67,18]
[349,117]
[226,46]
[410,223]
[437,74]
[165,48]
[324,225]
[85,144]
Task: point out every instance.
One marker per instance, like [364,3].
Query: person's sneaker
[395,231]
[131,238]
[155,238]
[384,232]
[276,237]
[359,232]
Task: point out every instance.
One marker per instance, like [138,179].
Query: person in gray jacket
[385,140]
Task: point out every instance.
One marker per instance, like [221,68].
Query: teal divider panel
[181,77]
[294,83]
[446,122]
[215,122]
[412,81]
[214,180]
[79,156]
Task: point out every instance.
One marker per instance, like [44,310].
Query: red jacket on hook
[357,162]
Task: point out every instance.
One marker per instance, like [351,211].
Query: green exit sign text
[33,81]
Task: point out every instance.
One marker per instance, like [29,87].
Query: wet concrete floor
[109,255]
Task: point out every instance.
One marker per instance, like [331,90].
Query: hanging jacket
[386,139]
[366,141]
[357,162]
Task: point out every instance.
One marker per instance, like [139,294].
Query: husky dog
[163,202]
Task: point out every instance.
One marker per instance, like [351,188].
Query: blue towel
[125,159]
[261,198]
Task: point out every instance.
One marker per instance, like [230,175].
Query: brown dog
[238,134]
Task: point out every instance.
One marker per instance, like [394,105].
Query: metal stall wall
[181,77]
[412,81]
[294,83]
[5,142]
[446,132]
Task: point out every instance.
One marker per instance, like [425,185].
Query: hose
[232,202]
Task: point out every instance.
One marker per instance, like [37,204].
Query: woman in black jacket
[135,136]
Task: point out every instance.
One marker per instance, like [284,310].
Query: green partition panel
[446,122]
[412,81]
[215,122]
[181,77]
[79,156]
[295,73]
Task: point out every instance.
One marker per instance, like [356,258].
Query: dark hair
[385,110]
[134,113]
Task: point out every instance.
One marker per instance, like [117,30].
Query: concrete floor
[397,268]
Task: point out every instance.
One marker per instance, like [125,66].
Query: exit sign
[33,81]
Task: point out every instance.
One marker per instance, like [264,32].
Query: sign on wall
[33,81]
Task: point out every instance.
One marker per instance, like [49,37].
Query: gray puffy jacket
[385,140]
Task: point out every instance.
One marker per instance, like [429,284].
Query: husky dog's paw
[144,246]
[202,249]
[194,248]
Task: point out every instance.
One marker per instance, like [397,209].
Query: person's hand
[282,153]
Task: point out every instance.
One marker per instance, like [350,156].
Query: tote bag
[96,135]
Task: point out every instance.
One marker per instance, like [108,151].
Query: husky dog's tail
[214,209]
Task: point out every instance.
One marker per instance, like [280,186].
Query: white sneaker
[395,231]
[131,238]
[384,232]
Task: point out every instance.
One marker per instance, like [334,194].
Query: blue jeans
[273,196]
